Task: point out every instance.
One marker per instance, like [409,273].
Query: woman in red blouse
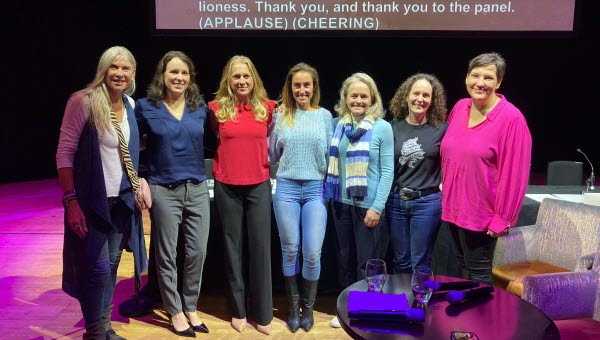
[241,113]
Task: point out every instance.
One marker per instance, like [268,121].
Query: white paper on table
[577,198]
[591,198]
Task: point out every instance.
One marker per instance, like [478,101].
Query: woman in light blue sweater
[299,143]
[359,175]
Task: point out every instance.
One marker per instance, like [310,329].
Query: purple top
[485,168]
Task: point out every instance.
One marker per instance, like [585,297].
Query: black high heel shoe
[189,332]
[201,328]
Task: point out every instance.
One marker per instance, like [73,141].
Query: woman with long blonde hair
[98,198]
[240,115]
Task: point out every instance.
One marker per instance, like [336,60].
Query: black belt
[175,185]
[408,194]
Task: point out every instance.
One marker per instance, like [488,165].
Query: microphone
[409,315]
[458,285]
[456,296]
[591,179]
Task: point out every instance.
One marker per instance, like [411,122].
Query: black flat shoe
[201,328]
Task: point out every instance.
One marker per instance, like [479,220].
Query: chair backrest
[565,173]
[569,230]
[208,166]
[596,267]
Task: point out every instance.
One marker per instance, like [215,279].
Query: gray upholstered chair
[571,299]
[565,173]
[564,239]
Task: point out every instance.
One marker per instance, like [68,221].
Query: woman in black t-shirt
[414,206]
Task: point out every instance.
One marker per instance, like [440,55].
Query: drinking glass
[376,274]
[421,292]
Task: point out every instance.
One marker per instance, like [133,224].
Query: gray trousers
[181,208]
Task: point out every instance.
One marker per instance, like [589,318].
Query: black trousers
[474,253]
[355,243]
[251,204]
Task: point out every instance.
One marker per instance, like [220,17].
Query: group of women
[370,171]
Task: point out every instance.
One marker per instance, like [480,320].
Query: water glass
[421,292]
[376,274]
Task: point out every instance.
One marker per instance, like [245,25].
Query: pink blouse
[485,168]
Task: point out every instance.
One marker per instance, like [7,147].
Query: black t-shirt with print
[417,154]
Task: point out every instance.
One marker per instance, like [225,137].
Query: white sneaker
[335,323]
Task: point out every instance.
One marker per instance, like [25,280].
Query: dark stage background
[51,48]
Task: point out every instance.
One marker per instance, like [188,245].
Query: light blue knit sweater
[302,149]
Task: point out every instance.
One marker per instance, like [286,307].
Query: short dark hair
[486,59]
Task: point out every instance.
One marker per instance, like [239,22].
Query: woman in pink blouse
[486,156]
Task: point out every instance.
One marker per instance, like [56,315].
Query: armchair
[564,239]
[571,299]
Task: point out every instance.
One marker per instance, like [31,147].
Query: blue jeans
[413,228]
[300,213]
[102,257]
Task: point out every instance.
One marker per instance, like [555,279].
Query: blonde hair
[100,104]
[374,111]
[227,99]
[287,95]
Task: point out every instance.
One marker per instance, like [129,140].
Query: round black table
[498,316]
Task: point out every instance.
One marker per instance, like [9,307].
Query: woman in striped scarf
[359,175]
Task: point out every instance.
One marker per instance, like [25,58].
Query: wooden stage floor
[33,306]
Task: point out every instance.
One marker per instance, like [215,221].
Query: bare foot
[239,324]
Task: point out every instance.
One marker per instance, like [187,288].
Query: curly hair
[287,95]
[227,99]
[437,110]
[157,91]
[375,110]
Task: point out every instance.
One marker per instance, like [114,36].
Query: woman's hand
[500,234]
[76,218]
[371,218]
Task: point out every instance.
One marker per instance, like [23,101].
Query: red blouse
[241,157]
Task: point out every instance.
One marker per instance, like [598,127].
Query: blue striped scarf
[357,159]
